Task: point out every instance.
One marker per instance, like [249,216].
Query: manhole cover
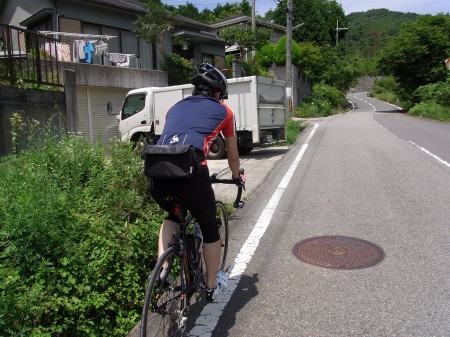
[338,252]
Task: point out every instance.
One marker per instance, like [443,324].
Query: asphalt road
[364,175]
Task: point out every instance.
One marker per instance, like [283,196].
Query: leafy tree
[189,10]
[415,57]
[312,61]
[156,22]
[341,70]
[218,13]
[319,18]
[246,39]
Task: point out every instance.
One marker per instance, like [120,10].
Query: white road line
[207,321]
[439,159]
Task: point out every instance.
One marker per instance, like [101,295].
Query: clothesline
[48,32]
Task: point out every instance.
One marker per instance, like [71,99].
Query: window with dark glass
[132,105]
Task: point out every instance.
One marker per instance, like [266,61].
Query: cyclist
[197,120]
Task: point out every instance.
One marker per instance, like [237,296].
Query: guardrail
[28,57]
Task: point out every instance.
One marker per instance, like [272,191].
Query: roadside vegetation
[413,62]
[293,129]
[78,234]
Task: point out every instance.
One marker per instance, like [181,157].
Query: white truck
[258,103]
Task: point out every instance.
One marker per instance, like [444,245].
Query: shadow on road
[265,153]
[244,293]
[392,111]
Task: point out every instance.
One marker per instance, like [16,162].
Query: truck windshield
[132,105]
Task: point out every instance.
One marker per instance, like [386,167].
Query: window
[206,58]
[132,105]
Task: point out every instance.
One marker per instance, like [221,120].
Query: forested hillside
[371,30]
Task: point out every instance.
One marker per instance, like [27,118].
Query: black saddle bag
[170,161]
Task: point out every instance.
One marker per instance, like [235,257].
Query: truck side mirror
[109,109]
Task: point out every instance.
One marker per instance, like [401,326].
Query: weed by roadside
[293,129]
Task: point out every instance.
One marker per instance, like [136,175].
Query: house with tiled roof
[112,22]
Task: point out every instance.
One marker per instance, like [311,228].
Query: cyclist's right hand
[240,181]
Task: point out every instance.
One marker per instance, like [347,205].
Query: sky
[349,6]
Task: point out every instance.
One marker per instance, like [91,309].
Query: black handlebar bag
[170,161]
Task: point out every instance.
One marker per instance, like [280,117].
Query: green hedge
[324,101]
[77,238]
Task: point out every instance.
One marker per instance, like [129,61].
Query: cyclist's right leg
[212,252]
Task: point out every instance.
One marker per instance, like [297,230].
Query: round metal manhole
[338,252]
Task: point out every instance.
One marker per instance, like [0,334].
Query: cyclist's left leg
[166,232]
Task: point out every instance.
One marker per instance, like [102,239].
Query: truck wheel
[140,141]
[245,149]
[217,150]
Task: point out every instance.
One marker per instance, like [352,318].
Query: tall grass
[431,110]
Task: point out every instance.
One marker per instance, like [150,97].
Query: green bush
[77,235]
[280,52]
[266,55]
[431,110]
[384,84]
[324,101]
[179,70]
[437,92]
[253,68]
[328,94]
[293,129]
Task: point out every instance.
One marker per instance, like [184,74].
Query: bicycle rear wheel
[165,309]
[222,225]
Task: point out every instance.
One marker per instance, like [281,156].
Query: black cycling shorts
[198,196]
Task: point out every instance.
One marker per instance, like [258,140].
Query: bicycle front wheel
[222,225]
[165,310]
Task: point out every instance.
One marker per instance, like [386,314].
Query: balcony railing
[27,57]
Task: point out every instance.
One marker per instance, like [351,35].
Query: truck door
[133,113]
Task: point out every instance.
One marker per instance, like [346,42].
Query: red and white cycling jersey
[197,120]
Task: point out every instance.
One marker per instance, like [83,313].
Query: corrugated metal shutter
[101,126]
[83,114]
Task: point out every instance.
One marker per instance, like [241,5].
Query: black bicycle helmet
[211,76]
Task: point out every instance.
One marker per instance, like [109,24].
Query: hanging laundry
[81,49]
[63,52]
[50,48]
[101,49]
[117,58]
[75,58]
[88,50]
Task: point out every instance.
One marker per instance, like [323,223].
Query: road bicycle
[178,278]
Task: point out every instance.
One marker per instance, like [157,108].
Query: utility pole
[338,29]
[253,15]
[289,91]
[253,23]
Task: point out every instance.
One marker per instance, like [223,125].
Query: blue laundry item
[88,50]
